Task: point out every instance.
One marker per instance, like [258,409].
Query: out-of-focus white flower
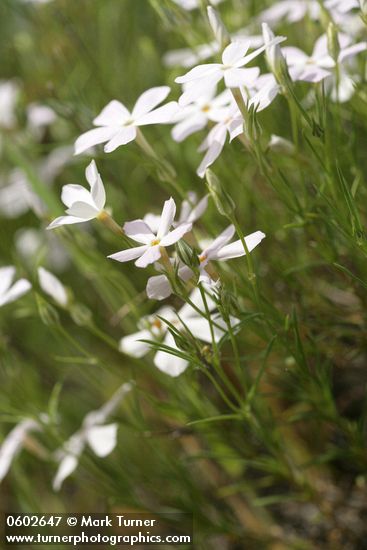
[32,243]
[342,6]
[17,196]
[188,57]
[279,144]
[195,116]
[9,292]
[159,287]
[193,4]
[152,328]
[83,205]
[117,126]
[9,92]
[139,231]
[191,210]
[52,286]
[320,64]
[231,69]
[14,442]
[39,116]
[94,431]
[290,10]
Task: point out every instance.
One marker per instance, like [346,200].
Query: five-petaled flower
[83,205]
[117,126]
[152,243]
[231,69]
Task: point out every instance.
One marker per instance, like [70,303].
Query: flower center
[202,258]
[205,108]
[128,122]
[155,242]
[157,323]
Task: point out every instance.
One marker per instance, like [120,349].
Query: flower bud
[219,30]
[223,201]
[187,254]
[274,57]
[333,45]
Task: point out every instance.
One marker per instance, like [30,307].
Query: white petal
[199,87]
[52,286]
[158,287]
[200,328]
[96,184]
[175,235]
[235,51]
[102,439]
[139,231]
[82,210]
[16,291]
[276,40]
[151,255]
[162,115]
[152,220]
[198,210]
[13,443]
[311,73]
[352,51]
[234,78]
[122,137]
[235,250]
[66,467]
[128,254]
[167,217]
[132,345]
[72,193]
[189,126]
[167,363]
[94,137]
[64,220]
[114,114]
[200,71]
[7,275]
[220,241]
[149,100]
[211,156]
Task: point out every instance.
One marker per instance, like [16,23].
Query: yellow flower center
[154,242]
[205,108]
[202,258]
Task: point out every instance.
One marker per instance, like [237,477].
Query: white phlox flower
[83,205]
[152,242]
[118,126]
[14,442]
[152,328]
[39,116]
[195,116]
[10,292]
[220,250]
[290,10]
[94,432]
[17,196]
[52,286]
[159,287]
[320,65]
[234,59]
